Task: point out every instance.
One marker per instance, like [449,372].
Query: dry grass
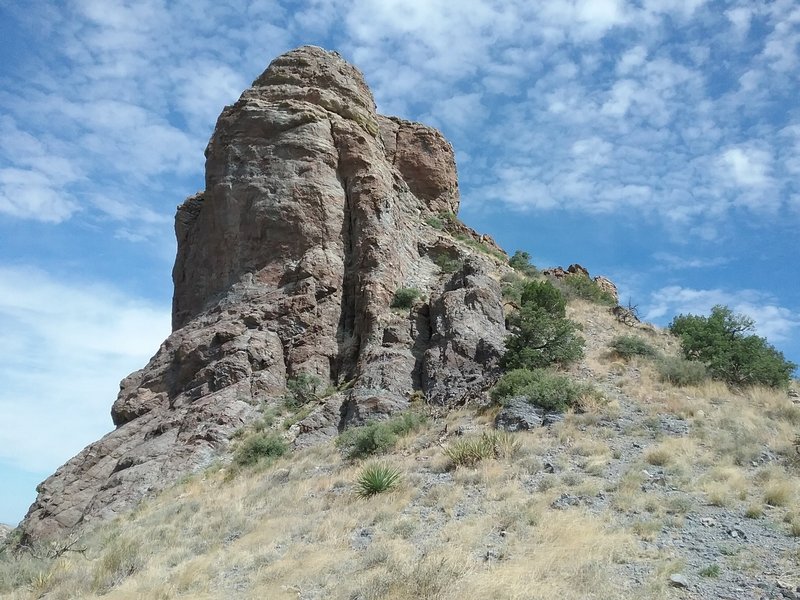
[779,492]
[725,485]
[675,452]
[298,527]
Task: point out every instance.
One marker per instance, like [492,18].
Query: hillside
[607,503]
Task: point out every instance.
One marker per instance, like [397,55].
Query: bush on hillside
[512,285]
[541,335]
[521,261]
[469,451]
[545,389]
[378,437]
[680,371]
[628,346]
[544,295]
[259,447]
[724,342]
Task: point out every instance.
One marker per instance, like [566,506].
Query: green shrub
[710,571]
[539,339]
[550,391]
[544,295]
[435,222]
[405,297]
[377,478]
[723,342]
[628,346]
[545,389]
[541,335]
[469,451]
[441,220]
[301,390]
[580,286]
[446,263]
[512,285]
[679,371]
[259,447]
[521,261]
[378,437]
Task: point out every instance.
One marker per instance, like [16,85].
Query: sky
[656,142]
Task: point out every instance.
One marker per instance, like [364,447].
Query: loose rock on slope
[313,215]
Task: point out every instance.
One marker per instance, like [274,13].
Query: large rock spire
[316,210]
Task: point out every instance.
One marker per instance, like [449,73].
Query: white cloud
[674,262]
[65,347]
[631,60]
[462,111]
[31,195]
[740,18]
[747,167]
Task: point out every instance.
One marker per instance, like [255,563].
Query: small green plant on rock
[301,389]
[446,263]
[710,571]
[480,246]
[377,478]
[435,222]
[405,297]
[441,220]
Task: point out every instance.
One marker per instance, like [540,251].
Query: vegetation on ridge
[724,342]
[541,335]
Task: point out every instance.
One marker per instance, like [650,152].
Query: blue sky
[656,142]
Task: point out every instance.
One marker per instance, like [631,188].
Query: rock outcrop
[316,210]
[4,531]
[576,270]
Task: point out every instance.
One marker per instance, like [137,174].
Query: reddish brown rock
[607,286]
[313,215]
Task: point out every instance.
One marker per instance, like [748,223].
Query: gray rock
[565,501]
[518,414]
[467,335]
[678,580]
[552,418]
[4,531]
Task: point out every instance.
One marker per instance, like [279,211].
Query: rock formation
[4,531]
[316,210]
[576,270]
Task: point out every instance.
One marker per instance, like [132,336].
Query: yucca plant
[376,478]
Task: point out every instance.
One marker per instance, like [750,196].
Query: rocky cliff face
[316,211]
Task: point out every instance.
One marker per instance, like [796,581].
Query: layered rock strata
[316,210]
